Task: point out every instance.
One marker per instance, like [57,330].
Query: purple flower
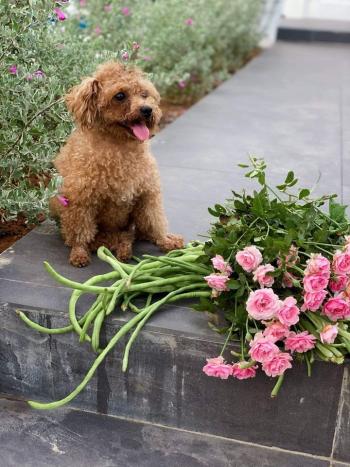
[147,58]
[39,74]
[125,55]
[181,84]
[13,69]
[126,11]
[29,77]
[61,16]
[135,45]
[97,30]
[82,2]
[189,21]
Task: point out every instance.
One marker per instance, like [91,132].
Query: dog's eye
[120,96]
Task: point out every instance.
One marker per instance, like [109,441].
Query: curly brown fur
[110,178]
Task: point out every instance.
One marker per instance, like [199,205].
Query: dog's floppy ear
[82,102]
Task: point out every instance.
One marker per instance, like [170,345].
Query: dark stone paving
[291,105]
[81,439]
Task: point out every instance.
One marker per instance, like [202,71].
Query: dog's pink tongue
[141,131]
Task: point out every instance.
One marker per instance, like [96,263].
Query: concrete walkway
[291,106]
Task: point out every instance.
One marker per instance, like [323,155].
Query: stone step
[164,383]
[76,438]
[314,30]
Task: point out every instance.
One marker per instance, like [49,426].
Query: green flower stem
[308,364]
[277,386]
[227,339]
[296,268]
[243,366]
[322,244]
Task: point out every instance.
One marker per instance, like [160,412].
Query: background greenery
[185,46]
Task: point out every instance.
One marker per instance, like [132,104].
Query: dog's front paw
[171,242]
[124,251]
[79,257]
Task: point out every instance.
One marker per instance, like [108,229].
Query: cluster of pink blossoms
[324,288]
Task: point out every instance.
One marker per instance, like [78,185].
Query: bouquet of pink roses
[276,265]
[285,286]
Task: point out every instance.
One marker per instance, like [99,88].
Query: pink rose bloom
[262,348]
[189,21]
[276,331]
[338,283]
[218,368]
[329,333]
[126,11]
[262,304]
[288,313]
[313,301]
[318,264]
[107,8]
[221,265]
[278,364]
[249,258]
[125,55]
[261,276]
[341,262]
[336,308]
[300,342]
[315,282]
[217,281]
[287,280]
[61,16]
[243,373]
[135,46]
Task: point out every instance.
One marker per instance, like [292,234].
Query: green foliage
[273,219]
[184,60]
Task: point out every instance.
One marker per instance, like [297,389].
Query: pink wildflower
[125,55]
[189,21]
[249,258]
[261,275]
[61,16]
[243,373]
[107,8]
[125,11]
[135,46]
[13,69]
[63,200]
[262,304]
[97,30]
[300,342]
[278,364]
[218,368]
[181,84]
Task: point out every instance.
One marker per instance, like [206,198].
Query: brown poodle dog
[111,189]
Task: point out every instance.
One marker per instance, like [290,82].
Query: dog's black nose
[146,111]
